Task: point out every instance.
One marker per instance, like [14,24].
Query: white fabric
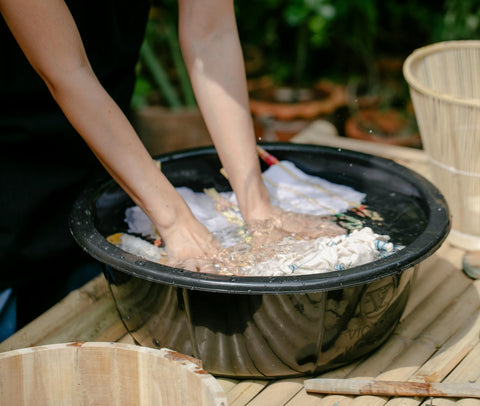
[301,193]
[300,196]
[324,254]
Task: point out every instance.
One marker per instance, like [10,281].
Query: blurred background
[334,60]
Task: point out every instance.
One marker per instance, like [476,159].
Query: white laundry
[324,254]
[292,190]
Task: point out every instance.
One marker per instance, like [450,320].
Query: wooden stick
[392,388]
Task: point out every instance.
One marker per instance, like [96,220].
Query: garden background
[295,51]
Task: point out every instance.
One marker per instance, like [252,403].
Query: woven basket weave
[444,82]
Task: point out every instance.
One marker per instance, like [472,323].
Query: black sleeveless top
[44,163]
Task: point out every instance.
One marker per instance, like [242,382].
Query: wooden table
[437,339]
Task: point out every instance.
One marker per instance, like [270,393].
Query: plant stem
[159,75]
[173,43]
[301,62]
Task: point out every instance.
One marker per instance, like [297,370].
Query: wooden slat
[392,388]
[302,398]
[452,352]
[406,364]
[242,393]
[82,315]
[443,264]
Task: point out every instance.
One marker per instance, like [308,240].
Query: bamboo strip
[242,393]
[278,393]
[227,384]
[404,366]
[391,388]
[426,344]
[86,326]
[410,329]
[452,352]
[423,284]
[468,402]
[412,401]
[469,369]
[58,319]
[303,398]
[436,303]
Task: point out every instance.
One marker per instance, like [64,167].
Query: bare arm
[48,36]
[212,52]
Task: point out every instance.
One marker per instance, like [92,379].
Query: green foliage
[460,21]
[162,77]
[286,32]
[300,41]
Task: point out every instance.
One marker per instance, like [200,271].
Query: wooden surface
[437,340]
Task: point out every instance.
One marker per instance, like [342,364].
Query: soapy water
[323,237]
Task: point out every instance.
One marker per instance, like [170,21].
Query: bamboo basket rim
[424,51]
[192,365]
[99,345]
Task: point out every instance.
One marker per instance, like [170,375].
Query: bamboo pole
[392,388]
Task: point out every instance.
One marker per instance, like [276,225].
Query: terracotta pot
[387,127]
[286,103]
[281,112]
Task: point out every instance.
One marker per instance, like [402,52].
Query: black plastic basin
[264,327]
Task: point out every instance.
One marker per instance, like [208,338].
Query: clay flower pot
[281,112]
[383,126]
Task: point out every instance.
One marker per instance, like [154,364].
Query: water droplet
[140,263]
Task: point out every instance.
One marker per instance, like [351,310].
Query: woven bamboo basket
[444,82]
[104,374]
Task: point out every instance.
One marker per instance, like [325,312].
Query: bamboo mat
[437,339]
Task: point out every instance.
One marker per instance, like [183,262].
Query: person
[85,54]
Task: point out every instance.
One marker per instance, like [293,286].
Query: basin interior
[414,214]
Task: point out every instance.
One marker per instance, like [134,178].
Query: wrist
[255,203]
